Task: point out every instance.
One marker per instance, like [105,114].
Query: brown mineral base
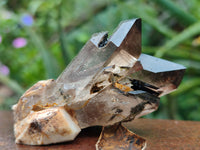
[160,135]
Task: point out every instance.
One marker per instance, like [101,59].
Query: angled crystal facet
[109,82]
[163,74]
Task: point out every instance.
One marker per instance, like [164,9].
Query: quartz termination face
[109,82]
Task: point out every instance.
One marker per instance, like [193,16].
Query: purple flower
[4,70]
[0,39]
[19,42]
[27,20]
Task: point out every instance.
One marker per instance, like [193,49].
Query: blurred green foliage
[60,28]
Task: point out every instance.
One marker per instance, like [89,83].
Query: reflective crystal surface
[108,82]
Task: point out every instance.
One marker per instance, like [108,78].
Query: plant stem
[171,105]
[189,32]
[49,61]
[175,10]
[11,84]
[66,57]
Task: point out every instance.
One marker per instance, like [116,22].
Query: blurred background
[39,38]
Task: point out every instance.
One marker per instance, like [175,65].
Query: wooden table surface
[160,135]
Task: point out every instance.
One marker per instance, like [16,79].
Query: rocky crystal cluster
[109,82]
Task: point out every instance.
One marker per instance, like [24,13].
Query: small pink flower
[4,70]
[19,42]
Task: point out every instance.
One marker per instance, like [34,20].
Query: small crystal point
[109,82]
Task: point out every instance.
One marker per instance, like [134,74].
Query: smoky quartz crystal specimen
[108,83]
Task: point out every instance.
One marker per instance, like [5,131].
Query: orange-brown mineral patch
[123,88]
[37,107]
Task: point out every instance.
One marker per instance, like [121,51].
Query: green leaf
[34,5]
[142,11]
[186,86]
[11,84]
[176,11]
[3,2]
[50,63]
[181,37]
[189,64]
[182,52]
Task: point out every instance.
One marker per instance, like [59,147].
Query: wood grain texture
[160,135]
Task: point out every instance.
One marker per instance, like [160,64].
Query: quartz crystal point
[109,82]
[46,126]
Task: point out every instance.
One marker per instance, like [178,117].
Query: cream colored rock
[47,126]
